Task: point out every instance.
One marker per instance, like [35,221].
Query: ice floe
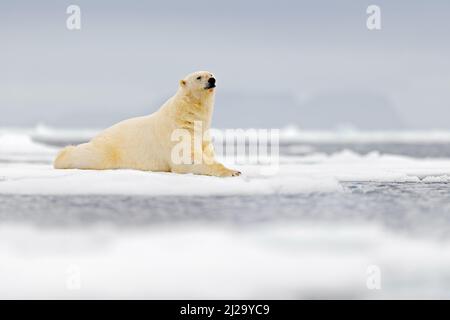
[25,168]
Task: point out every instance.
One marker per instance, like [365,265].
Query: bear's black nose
[211,80]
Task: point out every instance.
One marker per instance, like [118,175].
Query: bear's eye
[199,77]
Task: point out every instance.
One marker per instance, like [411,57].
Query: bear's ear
[182,83]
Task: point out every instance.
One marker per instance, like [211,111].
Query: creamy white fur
[145,143]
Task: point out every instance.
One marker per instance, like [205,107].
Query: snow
[14,143]
[39,179]
[348,166]
[219,262]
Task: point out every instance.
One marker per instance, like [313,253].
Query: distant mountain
[322,111]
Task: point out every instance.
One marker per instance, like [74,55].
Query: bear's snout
[211,83]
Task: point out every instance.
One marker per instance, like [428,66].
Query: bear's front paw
[236,173]
[230,173]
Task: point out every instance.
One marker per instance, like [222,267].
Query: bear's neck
[190,108]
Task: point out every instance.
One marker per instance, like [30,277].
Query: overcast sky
[309,63]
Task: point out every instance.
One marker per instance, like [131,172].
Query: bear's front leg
[215,169]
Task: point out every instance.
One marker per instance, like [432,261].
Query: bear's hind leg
[83,156]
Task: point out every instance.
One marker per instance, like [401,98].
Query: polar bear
[146,143]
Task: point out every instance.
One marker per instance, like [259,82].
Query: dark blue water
[421,209]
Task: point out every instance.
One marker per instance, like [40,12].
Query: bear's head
[199,83]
